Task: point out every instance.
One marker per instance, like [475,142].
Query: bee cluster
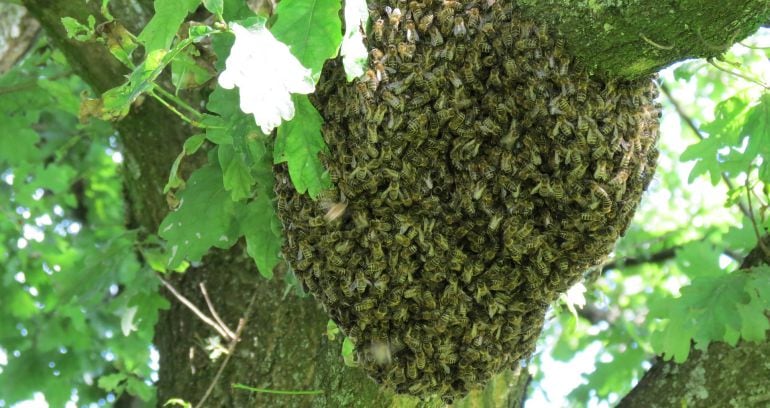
[478,173]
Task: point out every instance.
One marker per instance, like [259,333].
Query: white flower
[267,74]
[353,51]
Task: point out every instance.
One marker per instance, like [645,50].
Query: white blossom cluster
[267,74]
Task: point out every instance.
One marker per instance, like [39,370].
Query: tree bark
[283,345]
[631,39]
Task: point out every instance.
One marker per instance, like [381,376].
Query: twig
[689,122]
[654,44]
[753,47]
[281,392]
[194,309]
[179,101]
[230,349]
[737,74]
[657,257]
[760,242]
[174,110]
[214,313]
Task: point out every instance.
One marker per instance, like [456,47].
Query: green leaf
[203,220]
[77,31]
[236,10]
[348,355]
[117,101]
[216,7]
[614,376]
[298,144]
[332,330]
[698,258]
[262,231]
[710,309]
[191,145]
[237,177]
[187,72]
[705,154]
[111,382]
[169,15]
[178,401]
[724,131]
[757,129]
[311,28]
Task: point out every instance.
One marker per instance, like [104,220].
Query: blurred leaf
[615,376]
[698,258]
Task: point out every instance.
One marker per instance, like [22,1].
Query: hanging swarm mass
[478,174]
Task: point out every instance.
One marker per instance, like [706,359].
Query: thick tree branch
[634,38]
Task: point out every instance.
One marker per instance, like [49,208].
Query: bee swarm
[482,171]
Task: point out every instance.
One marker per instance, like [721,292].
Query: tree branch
[639,37]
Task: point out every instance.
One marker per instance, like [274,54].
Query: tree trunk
[283,344]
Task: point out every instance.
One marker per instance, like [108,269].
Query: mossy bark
[632,38]
[283,345]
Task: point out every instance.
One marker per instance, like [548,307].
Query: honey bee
[343,248]
[306,250]
[406,50]
[335,211]
[347,289]
[334,260]
[425,23]
[381,71]
[394,17]
[416,10]
[494,80]
[378,29]
[364,305]
[526,44]
[459,29]
[371,79]
[474,17]
[365,91]
[601,170]
[377,55]
[392,100]
[606,202]
[411,32]
[331,295]
[411,341]
[620,178]
[411,372]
